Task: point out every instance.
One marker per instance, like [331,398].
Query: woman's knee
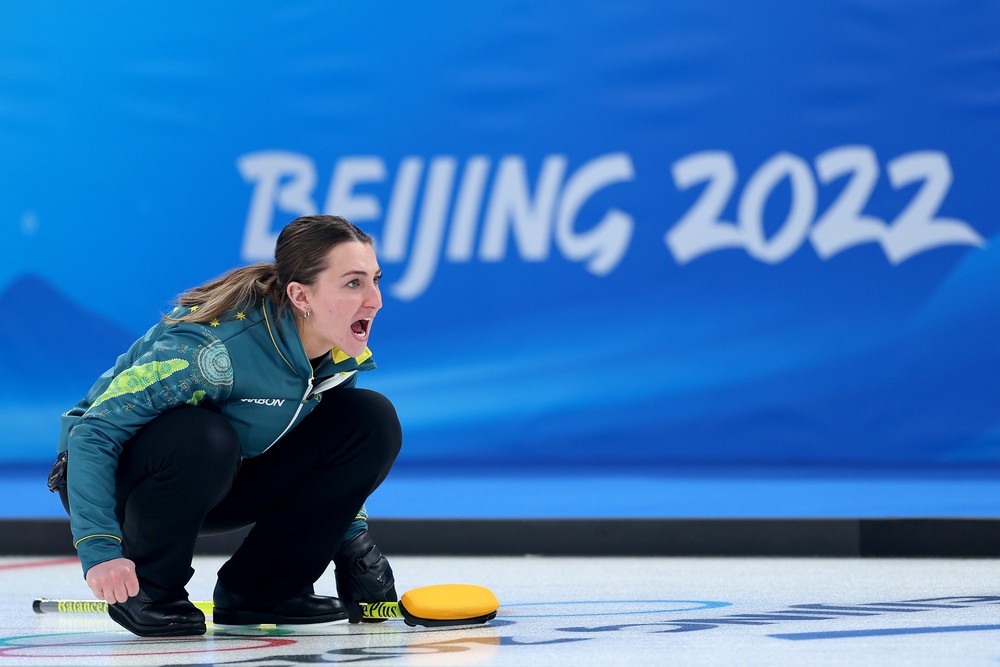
[383,420]
[219,439]
[196,437]
[374,415]
[189,451]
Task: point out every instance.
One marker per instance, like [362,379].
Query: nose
[373,297]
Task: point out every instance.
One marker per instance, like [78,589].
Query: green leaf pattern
[139,377]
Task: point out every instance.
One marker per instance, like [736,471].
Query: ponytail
[244,286]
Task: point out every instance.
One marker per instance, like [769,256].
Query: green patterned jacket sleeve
[186,364]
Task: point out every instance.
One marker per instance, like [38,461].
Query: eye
[353,283]
[378,278]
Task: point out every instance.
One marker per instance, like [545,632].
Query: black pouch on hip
[57,476]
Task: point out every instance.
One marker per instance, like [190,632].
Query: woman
[240,409]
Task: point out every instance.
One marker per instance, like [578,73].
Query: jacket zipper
[322,386]
[335,381]
[298,409]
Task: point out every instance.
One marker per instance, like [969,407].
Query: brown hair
[299,256]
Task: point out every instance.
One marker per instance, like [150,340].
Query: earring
[307,313]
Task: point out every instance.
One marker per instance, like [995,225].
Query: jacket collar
[339,361]
[285,336]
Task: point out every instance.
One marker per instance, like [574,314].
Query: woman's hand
[113,580]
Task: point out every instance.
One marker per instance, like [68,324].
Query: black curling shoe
[148,618]
[305,609]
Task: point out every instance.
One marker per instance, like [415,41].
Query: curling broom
[431,606]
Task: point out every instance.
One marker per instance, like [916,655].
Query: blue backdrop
[629,234]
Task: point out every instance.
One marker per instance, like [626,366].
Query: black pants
[181,475]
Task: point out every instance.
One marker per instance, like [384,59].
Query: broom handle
[369,610]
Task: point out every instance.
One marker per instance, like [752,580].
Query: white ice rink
[575,611]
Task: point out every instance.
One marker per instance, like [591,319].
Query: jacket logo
[270,402]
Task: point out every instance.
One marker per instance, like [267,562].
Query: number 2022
[843,225]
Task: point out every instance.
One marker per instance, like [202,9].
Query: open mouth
[360,328]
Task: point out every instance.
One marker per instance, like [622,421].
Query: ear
[298,295]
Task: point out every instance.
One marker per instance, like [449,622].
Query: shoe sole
[223,617]
[170,630]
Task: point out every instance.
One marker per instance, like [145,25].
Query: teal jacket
[249,363]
